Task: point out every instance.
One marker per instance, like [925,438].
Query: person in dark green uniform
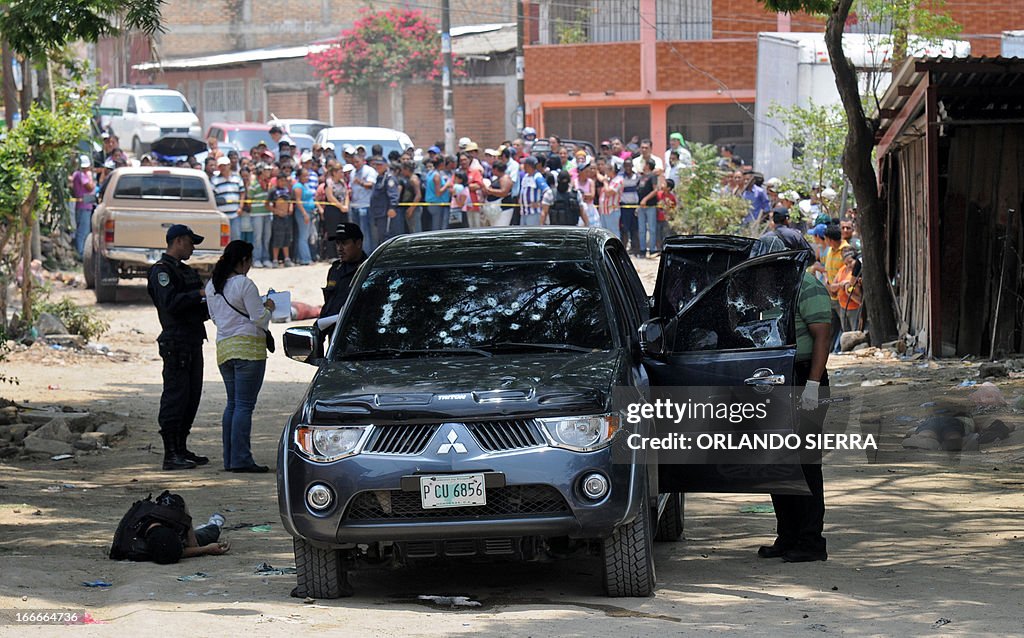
[177,292]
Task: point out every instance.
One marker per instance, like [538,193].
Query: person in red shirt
[667,204]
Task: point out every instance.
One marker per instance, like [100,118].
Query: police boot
[191,456]
[173,459]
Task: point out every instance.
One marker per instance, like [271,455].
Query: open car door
[690,263]
[734,342]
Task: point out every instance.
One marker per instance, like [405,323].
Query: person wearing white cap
[229,188]
[463,143]
[83,190]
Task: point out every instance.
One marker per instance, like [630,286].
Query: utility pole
[446,78]
[520,67]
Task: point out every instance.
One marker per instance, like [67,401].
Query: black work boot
[173,459]
[191,456]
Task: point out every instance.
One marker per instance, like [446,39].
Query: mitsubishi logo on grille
[452,444]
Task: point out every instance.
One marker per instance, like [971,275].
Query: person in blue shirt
[760,205]
[385,220]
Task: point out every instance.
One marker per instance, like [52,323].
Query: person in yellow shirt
[833,262]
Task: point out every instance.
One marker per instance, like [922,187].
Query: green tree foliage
[819,133]
[35,27]
[40,144]
[702,209]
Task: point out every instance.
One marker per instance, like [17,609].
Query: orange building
[601,68]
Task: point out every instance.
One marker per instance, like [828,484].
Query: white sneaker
[257,264]
[267,263]
[216,519]
[274,264]
[288,263]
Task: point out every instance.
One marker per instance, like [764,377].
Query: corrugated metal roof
[987,87]
[467,41]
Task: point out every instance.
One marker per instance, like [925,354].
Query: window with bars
[684,19]
[594,125]
[580,21]
[255,99]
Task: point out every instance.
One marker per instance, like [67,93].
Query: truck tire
[670,526]
[629,557]
[104,270]
[320,572]
[88,267]
[138,148]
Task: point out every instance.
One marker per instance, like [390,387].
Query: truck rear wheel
[88,267]
[670,525]
[629,556]
[320,572]
[104,279]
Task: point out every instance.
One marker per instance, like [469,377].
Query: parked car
[293,126]
[142,115]
[130,223]
[340,136]
[240,135]
[541,145]
[464,406]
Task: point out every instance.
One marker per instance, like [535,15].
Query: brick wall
[598,68]
[287,104]
[983,22]
[739,18]
[734,62]
[196,27]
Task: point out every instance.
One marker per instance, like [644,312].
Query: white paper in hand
[282,306]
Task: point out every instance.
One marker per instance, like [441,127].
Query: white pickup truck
[130,224]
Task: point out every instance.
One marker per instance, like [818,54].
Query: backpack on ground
[129,542]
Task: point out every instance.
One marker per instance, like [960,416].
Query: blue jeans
[383,230]
[529,219]
[236,228]
[361,216]
[611,222]
[630,230]
[435,217]
[83,226]
[302,238]
[243,380]
[261,237]
[648,216]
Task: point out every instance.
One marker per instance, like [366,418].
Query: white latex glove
[809,399]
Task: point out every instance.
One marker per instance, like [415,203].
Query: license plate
[452,490]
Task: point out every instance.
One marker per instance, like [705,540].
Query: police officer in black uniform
[349,240]
[180,300]
[384,203]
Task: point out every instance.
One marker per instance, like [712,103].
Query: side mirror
[652,338]
[300,344]
[219,200]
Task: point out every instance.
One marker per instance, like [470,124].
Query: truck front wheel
[320,572]
[629,556]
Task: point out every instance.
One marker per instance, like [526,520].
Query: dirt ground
[919,542]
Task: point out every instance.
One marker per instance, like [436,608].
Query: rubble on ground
[53,431]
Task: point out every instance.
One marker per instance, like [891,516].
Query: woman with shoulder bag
[242,318]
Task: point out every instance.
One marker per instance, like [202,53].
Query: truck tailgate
[148,228]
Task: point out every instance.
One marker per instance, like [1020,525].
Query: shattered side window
[471,306]
[688,272]
[752,308]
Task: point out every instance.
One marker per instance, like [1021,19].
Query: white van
[146,115]
[388,138]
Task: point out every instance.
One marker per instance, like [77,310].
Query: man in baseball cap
[348,238]
[180,230]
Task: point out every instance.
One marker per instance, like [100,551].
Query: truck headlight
[320,443]
[581,433]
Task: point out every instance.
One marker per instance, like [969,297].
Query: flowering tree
[381,49]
